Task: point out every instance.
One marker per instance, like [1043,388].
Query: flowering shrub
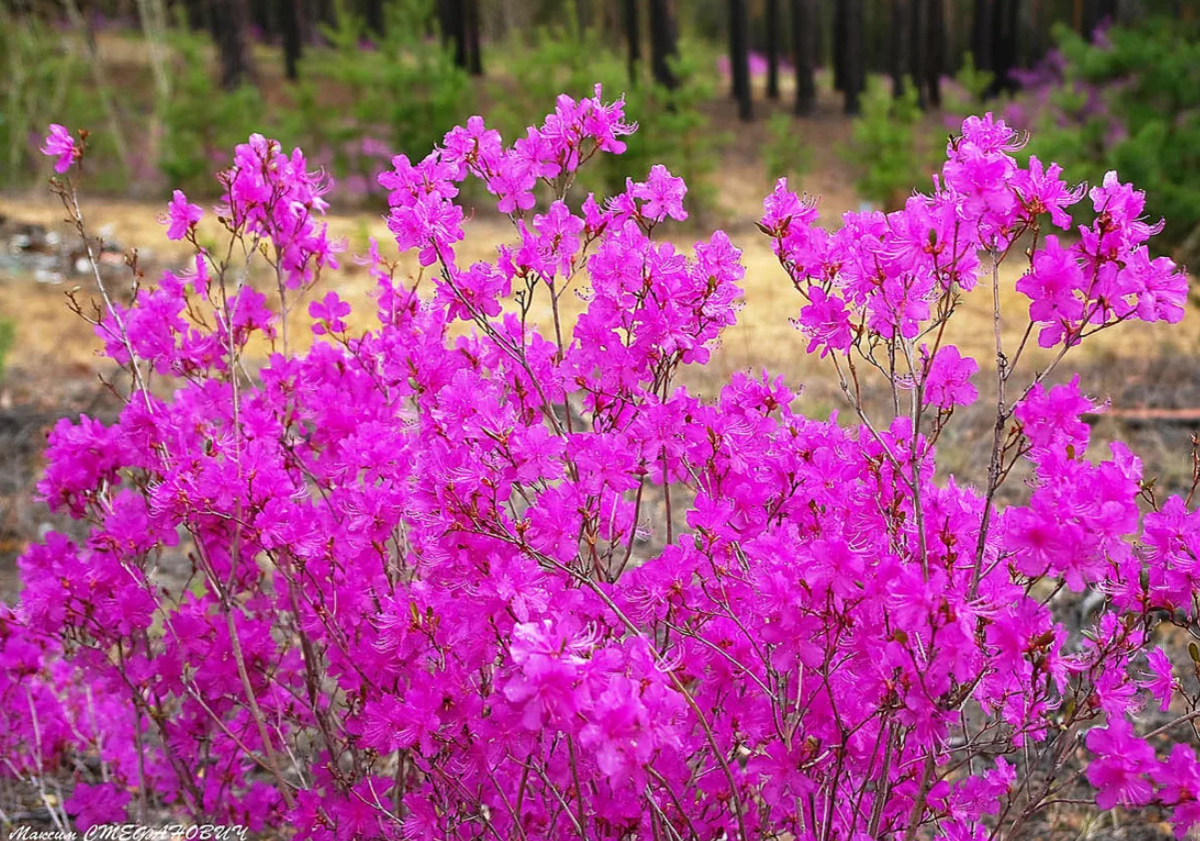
[413,603]
[1127,99]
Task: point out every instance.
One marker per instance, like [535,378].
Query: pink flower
[1054,418]
[1042,191]
[1121,767]
[97,804]
[329,313]
[181,216]
[1162,683]
[948,383]
[60,144]
[663,195]
[826,322]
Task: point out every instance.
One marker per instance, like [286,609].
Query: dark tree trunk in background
[474,50]
[981,34]
[374,16]
[663,47]
[197,15]
[452,16]
[773,49]
[899,45]
[633,37]
[935,46]
[1090,18]
[1004,43]
[260,15]
[839,38]
[289,23]
[919,43]
[230,25]
[851,48]
[739,59]
[1097,12]
[804,22]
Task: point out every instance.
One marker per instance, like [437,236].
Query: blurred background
[851,100]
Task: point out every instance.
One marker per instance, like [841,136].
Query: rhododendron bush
[416,600]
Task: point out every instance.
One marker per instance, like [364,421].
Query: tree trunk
[289,22]
[230,23]
[981,34]
[260,16]
[804,22]
[773,49]
[899,42]
[633,38]
[839,54]
[935,47]
[453,20]
[851,48]
[197,15]
[919,19]
[1004,43]
[663,47]
[739,59]
[374,17]
[474,50]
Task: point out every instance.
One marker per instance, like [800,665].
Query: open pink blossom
[59,144]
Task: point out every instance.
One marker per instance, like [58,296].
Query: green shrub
[201,121]
[8,332]
[46,80]
[785,153]
[1130,102]
[400,96]
[885,147]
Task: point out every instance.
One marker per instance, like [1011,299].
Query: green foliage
[46,80]
[973,82]
[1131,102]
[404,91]
[885,146]
[201,121]
[671,123]
[785,153]
[7,334]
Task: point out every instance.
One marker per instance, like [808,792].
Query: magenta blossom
[59,144]
[181,216]
[948,383]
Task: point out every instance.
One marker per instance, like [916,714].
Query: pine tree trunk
[230,25]
[839,51]
[935,47]
[453,19]
[633,38]
[773,49]
[663,47]
[739,59]
[804,22]
[919,16]
[197,15]
[854,76]
[981,34]
[289,22]
[474,50]
[899,39]
[1004,43]
[374,16]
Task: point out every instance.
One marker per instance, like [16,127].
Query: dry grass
[48,334]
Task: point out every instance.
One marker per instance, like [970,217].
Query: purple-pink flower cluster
[518,583]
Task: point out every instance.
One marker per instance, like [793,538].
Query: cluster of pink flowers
[412,596]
